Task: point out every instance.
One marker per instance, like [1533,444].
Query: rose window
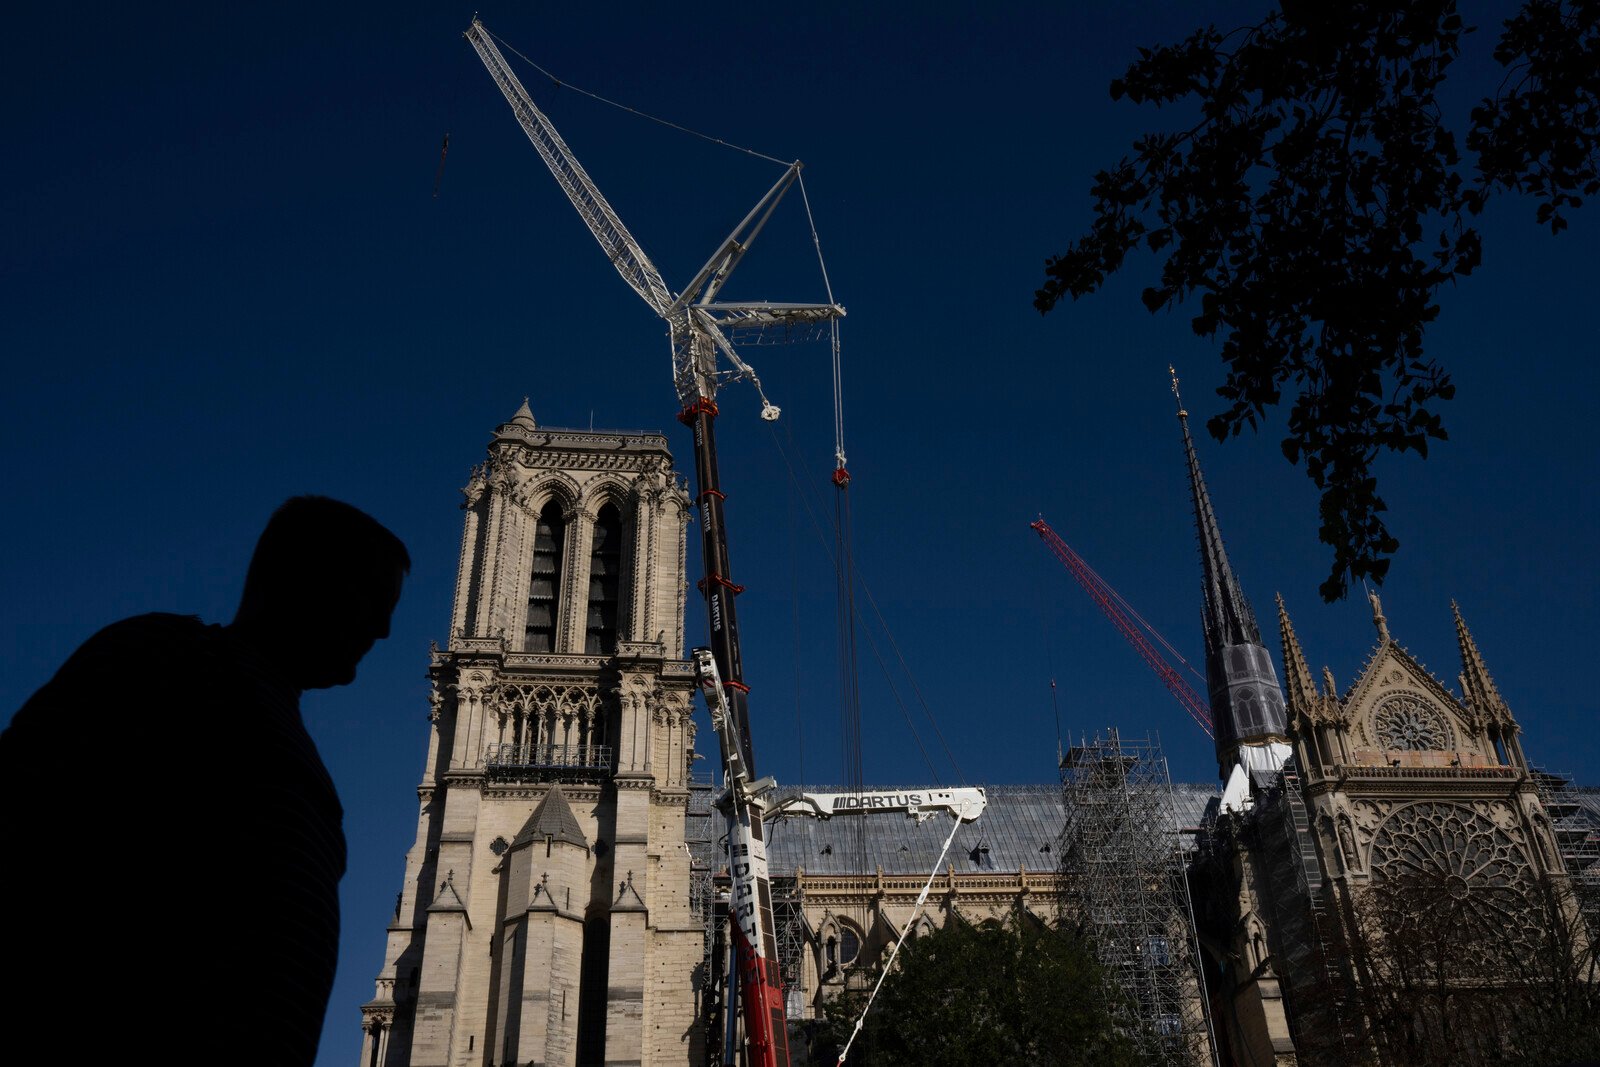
[1405,722]
[1445,874]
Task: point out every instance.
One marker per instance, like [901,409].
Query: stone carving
[1447,868]
[1347,843]
[1367,816]
[549,713]
[1406,722]
[477,482]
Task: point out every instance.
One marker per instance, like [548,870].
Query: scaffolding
[1574,813]
[1124,866]
[1309,953]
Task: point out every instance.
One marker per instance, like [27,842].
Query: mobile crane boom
[965,804]
[695,322]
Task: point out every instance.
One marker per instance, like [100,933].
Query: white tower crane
[696,323]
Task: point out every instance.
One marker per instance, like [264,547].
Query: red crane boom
[1103,595]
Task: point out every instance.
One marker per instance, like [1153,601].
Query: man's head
[322,584]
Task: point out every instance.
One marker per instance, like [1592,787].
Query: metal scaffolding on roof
[1124,866]
[1575,821]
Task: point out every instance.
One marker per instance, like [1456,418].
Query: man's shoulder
[130,655]
[154,626]
[143,643]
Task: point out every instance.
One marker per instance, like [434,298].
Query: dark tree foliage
[1012,992]
[1317,205]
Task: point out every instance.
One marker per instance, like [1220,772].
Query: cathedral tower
[544,917]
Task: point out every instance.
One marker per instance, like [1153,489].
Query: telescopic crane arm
[966,803]
[593,208]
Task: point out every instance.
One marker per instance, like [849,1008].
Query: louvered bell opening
[544,584]
[605,572]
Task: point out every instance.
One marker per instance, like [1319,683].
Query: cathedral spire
[1296,672]
[1247,712]
[1228,618]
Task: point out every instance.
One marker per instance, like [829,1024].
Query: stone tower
[545,915]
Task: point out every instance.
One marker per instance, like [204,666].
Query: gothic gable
[1398,710]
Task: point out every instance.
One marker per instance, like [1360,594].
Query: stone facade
[1361,840]
[544,917]
[1405,802]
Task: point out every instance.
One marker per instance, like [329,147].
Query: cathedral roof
[553,818]
[1020,828]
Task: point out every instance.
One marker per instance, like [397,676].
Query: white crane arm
[618,244]
[965,804]
[758,313]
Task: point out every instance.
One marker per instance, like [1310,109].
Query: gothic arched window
[605,574]
[1250,709]
[849,946]
[544,585]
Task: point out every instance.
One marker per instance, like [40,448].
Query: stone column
[575,610]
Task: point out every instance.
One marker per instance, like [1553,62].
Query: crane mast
[696,322]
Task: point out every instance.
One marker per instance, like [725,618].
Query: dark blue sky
[226,281]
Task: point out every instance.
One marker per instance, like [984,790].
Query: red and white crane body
[696,323]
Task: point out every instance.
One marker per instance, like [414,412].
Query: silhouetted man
[175,843]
